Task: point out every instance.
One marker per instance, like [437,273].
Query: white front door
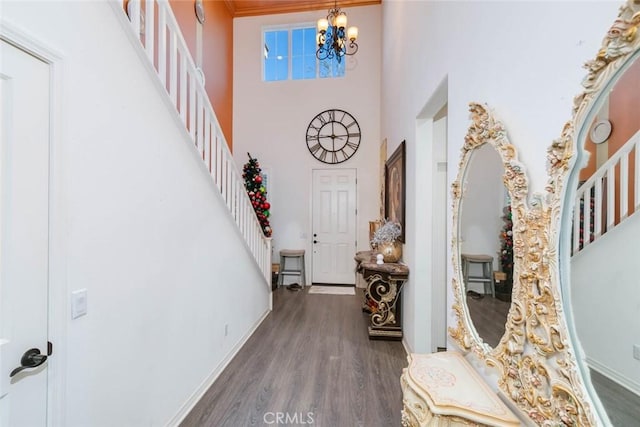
[24,230]
[334,226]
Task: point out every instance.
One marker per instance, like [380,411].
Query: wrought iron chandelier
[333,41]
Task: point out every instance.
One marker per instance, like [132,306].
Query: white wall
[605,297]
[271,120]
[137,222]
[522,58]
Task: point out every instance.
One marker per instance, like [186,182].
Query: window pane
[303,47]
[297,68]
[325,68]
[270,41]
[301,60]
[331,67]
[282,70]
[310,63]
[282,54]
[276,50]
[297,52]
[310,66]
[338,68]
[310,40]
[297,46]
[269,70]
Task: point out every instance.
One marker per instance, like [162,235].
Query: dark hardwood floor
[489,316]
[622,406]
[310,363]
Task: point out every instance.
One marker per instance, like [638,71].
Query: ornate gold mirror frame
[536,359]
[620,48]
[536,368]
[485,129]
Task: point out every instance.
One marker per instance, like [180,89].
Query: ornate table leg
[384,290]
[368,304]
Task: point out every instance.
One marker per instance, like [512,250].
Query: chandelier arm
[337,44]
[354,48]
[324,53]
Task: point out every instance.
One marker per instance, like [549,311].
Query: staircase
[159,41]
[603,286]
[609,197]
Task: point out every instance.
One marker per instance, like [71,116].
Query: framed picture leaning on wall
[395,188]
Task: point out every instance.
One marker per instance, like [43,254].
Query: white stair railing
[596,210]
[168,54]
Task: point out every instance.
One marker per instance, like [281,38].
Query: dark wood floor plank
[311,357]
[622,406]
[489,316]
[311,360]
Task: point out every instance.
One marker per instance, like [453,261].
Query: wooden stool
[287,258]
[486,262]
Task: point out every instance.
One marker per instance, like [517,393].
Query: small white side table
[442,389]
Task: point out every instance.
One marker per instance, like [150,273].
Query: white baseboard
[406,346]
[208,382]
[613,375]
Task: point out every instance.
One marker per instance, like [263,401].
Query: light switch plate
[78,303]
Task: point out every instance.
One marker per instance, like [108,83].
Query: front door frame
[311,213]
[58,308]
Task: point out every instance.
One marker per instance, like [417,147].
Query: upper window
[276,55]
[291,54]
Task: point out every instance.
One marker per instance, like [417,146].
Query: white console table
[442,389]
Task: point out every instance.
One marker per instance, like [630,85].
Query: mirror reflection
[485,244]
[605,290]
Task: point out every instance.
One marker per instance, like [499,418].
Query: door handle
[30,359]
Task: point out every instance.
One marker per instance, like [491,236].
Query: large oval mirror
[489,196]
[534,363]
[484,224]
[601,225]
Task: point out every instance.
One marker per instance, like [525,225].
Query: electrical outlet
[226,329]
[636,351]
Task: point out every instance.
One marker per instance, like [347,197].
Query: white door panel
[334,226]
[24,230]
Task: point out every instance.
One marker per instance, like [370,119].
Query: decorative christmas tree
[506,248]
[257,193]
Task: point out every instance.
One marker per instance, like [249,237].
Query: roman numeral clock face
[333,136]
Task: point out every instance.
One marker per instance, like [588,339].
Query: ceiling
[270,7]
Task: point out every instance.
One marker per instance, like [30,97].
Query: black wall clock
[333,136]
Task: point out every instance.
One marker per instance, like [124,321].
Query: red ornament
[266,205]
[258,179]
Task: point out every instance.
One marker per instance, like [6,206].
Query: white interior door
[24,229]
[334,226]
